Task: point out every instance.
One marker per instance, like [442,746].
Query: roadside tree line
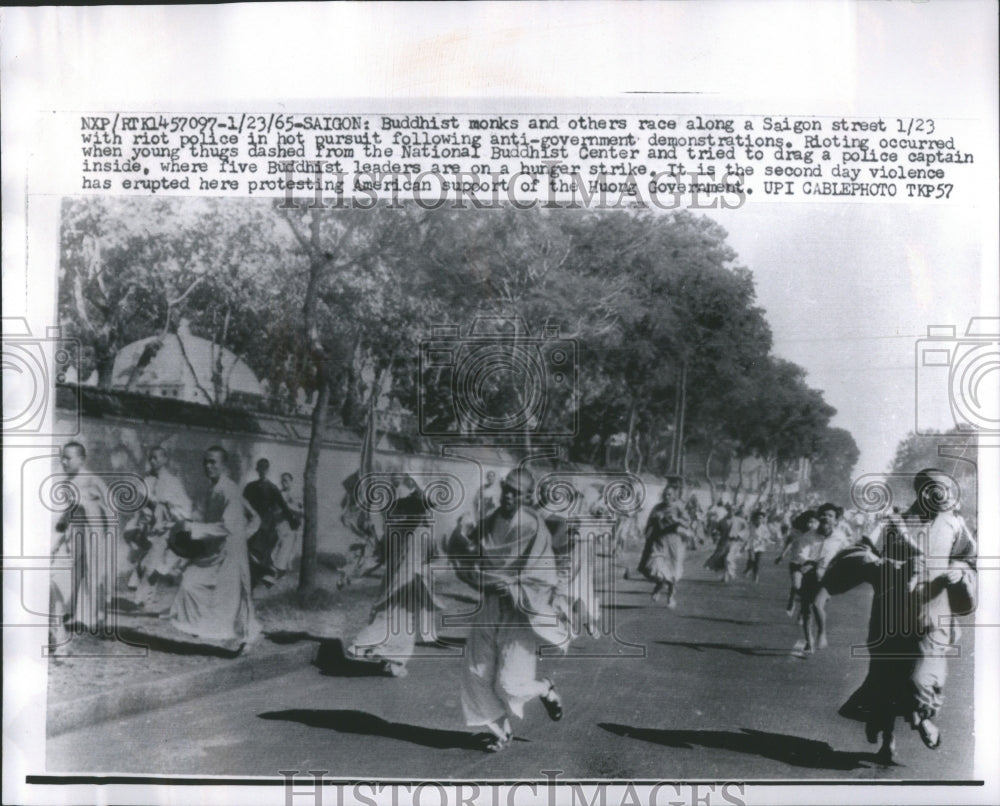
[672,350]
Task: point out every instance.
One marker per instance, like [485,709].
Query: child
[801,543]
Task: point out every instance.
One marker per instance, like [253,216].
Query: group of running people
[921,564]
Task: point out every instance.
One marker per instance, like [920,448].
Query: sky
[850,289]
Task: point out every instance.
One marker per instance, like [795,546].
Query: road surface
[712,690]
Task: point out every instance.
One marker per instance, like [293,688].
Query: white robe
[87,533]
[214,597]
[512,564]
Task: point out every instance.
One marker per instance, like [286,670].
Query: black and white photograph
[416,485]
[575,494]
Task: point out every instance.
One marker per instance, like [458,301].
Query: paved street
[719,694]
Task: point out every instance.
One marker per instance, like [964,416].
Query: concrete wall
[117,443]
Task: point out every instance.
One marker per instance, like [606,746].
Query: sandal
[930,734]
[552,701]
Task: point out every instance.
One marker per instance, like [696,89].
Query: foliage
[332,305]
[834,456]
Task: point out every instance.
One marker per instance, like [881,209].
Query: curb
[72,714]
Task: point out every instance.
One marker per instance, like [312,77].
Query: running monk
[509,559]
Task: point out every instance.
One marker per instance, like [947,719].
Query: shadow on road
[333,661]
[742,650]
[168,639]
[741,622]
[793,750]
[444,642]
[284,637]
[366,724]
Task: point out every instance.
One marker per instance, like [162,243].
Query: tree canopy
[666,349]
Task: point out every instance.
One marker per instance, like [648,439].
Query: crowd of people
[208,558]
[534,572]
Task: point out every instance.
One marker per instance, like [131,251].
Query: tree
[360,308]
[132,268]
[508,273]
[834,456]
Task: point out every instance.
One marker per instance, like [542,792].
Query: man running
[835,538]
[509,559]
[924,574]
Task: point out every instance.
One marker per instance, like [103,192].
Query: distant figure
[269,504]
[717,513]
[80,600]
[214,597]
[696,516]
[835,537]
[488,497]
[667,534]
[148,532]
[733,533]
[760,538]
[289,532]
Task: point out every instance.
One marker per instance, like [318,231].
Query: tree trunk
[310,496]
[105,370]
[739,481]
[708,474]
[633,413]
[681,416]
[677,444]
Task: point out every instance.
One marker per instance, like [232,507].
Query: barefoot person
[509,559]
[924,573]
[799,546]
[836,537]
[667,534]
[760,539]
[732,532]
